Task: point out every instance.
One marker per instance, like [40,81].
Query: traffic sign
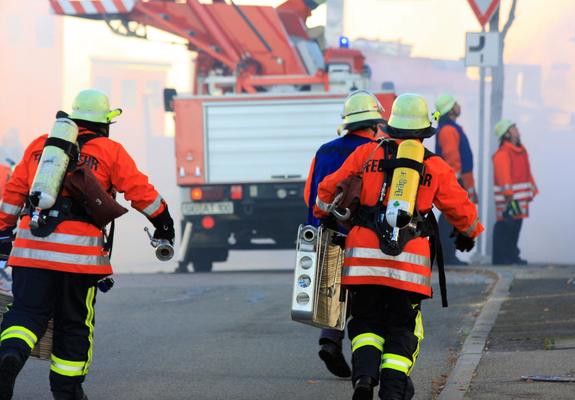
[482,49]
[484,9]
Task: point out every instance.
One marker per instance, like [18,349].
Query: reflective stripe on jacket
[512,179]
[74,246]
[365,263]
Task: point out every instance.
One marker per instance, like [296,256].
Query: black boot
[334,360]
[363,388]
[77,395]
[11,362]
[395,385]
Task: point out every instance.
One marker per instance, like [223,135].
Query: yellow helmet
[410,117]
[93,105]
[444,103]
[502,127]
[361,109]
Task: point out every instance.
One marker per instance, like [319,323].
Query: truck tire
[203,258]
[182,267]
[203,265]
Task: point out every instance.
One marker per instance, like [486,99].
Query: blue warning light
[344,42]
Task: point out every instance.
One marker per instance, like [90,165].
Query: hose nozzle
[164,249]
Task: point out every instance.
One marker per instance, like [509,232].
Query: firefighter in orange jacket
[55,274]
[362,114]
[514,189]
[4,176]
[387,281]
[452,144]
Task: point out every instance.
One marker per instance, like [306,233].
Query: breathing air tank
[404,185]
[51,169]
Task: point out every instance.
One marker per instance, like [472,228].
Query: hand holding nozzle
[164,249]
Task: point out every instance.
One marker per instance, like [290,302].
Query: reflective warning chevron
[83,7]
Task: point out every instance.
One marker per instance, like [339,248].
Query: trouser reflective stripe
[67,368]
[367,339]
[70,368]
[90,325]
[401,363]
[396,362]
[22,333]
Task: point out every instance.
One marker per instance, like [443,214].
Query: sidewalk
[533,335]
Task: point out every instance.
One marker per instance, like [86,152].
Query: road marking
[460,377]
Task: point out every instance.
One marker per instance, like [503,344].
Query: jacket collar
[510,146]
[365,133]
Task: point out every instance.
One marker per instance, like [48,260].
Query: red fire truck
[265,97]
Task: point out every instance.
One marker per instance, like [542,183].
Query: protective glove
[164,225]
[473,195]
[329,222]
[463,242]
[6,238]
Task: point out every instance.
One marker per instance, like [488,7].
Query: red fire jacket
[512,179]
[365,263]
[74,246]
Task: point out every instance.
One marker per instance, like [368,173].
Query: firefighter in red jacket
[387,283]
[514,189]
[55,274]
[452,144]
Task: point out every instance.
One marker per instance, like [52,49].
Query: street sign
[484,9]
[482,49]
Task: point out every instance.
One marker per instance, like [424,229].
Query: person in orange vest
[362,114]
[452,144]
[514,189]
[5,172]
[388,276]
[56,266]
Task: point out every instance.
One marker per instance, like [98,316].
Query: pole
[496,110]
[483,169]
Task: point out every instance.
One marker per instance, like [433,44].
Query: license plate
[219,208]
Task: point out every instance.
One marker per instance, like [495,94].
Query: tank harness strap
[71,149]
[65,208]
[437,254]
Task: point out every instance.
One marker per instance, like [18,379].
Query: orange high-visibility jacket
[74,246]
[512,179]
[365,263]
[4,176]
[449,140]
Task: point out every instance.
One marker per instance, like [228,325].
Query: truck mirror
[169,94]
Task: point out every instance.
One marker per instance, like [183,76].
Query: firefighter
[362,113]
[5,171]
[388,276]
[452,144]
[55,275]
[514,189]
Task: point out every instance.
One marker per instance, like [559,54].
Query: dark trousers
[447,243]
[505,238]
[332,335]
[385,330]
[69,299]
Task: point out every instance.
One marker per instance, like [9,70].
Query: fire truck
[265,97]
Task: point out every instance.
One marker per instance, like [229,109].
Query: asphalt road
[228,335]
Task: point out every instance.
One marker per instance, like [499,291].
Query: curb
[460,377]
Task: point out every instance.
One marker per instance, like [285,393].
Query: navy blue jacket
[328,159]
